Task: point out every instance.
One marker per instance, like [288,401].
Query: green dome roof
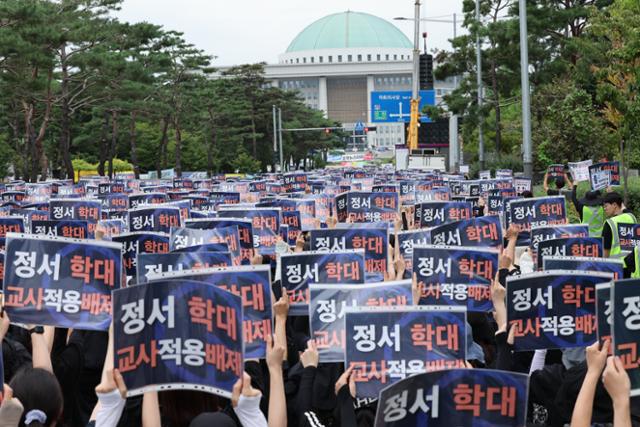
[349,30]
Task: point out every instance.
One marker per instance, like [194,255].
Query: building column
[322,96]
[453,144]
[274,83]
[370,88]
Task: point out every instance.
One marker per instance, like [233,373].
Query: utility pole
[479,76]
[280,139]
[454,150]
[415,93]
[527,157]
[275,136]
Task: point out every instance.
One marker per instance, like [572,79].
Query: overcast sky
[237,31]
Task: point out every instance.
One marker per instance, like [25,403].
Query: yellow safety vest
[624,218]
[593,216]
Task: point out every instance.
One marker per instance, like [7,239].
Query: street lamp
[479,80]
[527,157]
[455,150]
[415,93]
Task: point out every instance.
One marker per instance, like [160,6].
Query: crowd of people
[66,377]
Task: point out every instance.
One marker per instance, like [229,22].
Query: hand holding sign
[597,357]
[275,353]
[346,378]
[281,307]
[4,324]
[310,357]
[616,381]
[242,388]
[113,381]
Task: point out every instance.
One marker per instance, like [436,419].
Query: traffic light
[327,131]
[370,129]
[426,71]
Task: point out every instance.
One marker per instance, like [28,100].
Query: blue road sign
[395,106]
[359,127]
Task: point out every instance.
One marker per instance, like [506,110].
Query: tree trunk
[30,170]
[43,162]
[253,135]
[104,143]
[178,166]
[114,140]
[14,124]
[132,137]
[212,145]
[65,138]
[625,172]
[38,162]
[161,160]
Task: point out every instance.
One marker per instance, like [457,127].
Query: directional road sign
[395,106]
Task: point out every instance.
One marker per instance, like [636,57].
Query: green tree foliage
[76,83]
[578,53]
[244,163]
[567,113]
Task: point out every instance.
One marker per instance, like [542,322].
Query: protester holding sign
[616,382]
[559,179]
[590,210]
[222,348]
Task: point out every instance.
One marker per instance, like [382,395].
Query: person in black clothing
[629,264]
[591,198]
[39,392]
[559,184]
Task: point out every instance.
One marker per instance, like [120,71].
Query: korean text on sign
[178,333]
[61,282]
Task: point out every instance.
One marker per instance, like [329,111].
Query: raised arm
[618,385]
[111,392]
[545,186]
[277,400]
[567,179]
[576,202]
[281,311]
[309,360]
[150,410]
[40,349]
[596,359]
[512,239]
[246,403]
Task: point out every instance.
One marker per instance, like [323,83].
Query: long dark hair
[38,389]
[179,407]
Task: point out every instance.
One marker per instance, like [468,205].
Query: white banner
[580,170]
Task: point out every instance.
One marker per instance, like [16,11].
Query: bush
[118,165]
[318,161]
[244,163]
[83,165]
[121,166]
